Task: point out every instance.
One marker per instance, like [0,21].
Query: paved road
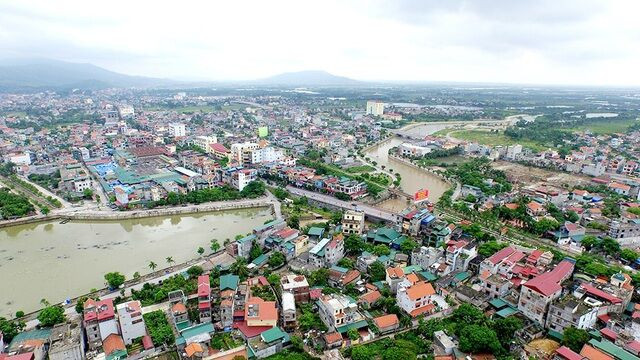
[330,200]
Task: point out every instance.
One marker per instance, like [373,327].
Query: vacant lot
[494,138]
[607,126]
[526,175]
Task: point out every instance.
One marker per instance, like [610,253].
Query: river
[412,179]
[59,261]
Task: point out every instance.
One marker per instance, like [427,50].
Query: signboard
[421,195]
[263,131]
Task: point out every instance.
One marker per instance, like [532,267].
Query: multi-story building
[204,298]
[228,288]
[297,285]
[415,297]
[426,256]
[242,177]
[458,255]
[288,310]
[567,311]
[327,252]
[177,130]
[131,321]
[537,293]
[204,142]
[375,107]
[265,155]
[353,222]
[242,152]
[339,313]
[258,312]
[67,342]
[99,321]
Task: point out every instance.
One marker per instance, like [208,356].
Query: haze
[541,42]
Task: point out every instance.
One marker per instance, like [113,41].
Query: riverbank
[81,214]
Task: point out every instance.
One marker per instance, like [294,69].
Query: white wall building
[177,129]
[204,142]
[243,152]
[375,107]
[131,321]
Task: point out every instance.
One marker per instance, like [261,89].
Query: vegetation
[158,327]
[574,338]
[277,259]
[476,172]
[114,279]
[51,315]
[152,294]
[12,205]
[224,193]
[10,329]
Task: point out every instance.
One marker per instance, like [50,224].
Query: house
[332,340]
[368,299]
[353,222]
[180,315]
[114,347]
[297,285]
[339,313]
[536,294]
[387,323]
[416,299]
[341,277]
[393,277]
[99,321]
[258,312]
[569,233]
[315,234]
[268,343]
[365,260]
[621,189]
[204,298]
[228,288]
[327,252]
[288,310]
[535,209]
[385,235]
[131,321]
[426,256]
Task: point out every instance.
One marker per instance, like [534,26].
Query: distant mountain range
[310,77]
[45,73]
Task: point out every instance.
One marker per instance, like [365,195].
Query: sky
[573,42]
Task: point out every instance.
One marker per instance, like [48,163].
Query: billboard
[421,195]
[263,131]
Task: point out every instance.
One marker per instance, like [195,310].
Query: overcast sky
[513,41]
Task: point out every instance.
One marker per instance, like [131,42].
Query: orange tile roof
[592,353]
[193,348]
[179,308]
[420,290]
[386,320]
[113,343]
[395,272]
[422,310]
[371,296]
[266,309]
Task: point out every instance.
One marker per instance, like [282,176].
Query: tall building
[375,107]
[204,298]
[177,129]
[353,222]
[99,321]
[537,293]
[242,152]
[205,142]
[131,321]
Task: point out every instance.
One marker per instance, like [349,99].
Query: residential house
[131,321]
[288,310]
[99,321]
[297,285]
[204,299]
[415,298]
[387,323]
[353,222]
[339,313]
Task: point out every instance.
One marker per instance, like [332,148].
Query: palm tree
[169,260]
[240,268]
[152,266]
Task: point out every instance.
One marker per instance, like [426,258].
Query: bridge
[371,212]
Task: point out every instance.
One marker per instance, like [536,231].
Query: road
[330,200]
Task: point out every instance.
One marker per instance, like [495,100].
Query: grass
[606,126]
[495,138]
[360,169]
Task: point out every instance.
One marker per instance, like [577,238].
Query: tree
[408,245]
[136,275]
[152,266]
[239,267]
[342,196]
[255,251]
[353,334]
[44,210]
[215,245]
[170,260]
[589,241]
[506,330]
[19,314]
[610,246]
[87,193]
[319,277]
[629,255]
[489,248]
[346,263]
[114,279]
[273,279]
[381,249]
[80,304]
[377,271]
[200,250]
[477,338]
[10,329]
[296,343]
[574,338]
[277,259]
[293,221]
[51,315]
[194,271]
[353,244]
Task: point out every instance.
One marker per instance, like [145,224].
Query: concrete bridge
[371,212]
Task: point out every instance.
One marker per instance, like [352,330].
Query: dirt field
[526,175]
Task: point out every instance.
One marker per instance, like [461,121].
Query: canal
[58,261]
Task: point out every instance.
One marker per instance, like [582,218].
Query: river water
[412,179]
[59,261]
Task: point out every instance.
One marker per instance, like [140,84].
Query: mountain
[47,73]
[309,77]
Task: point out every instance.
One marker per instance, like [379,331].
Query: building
[204,298]
[288,310]
[327,252]
[537,293]
[268,343]
[242,177]
[177,130]
[205,142]
[126,111]
[260,313]
[387,323]
[99,321]
[131,321]
[228,288]
[568,311]
[412,150]
[66,342]
[297,285]
[375,107]
[242,152]
[114,347]
[426,256]
[415,297]
[353,222]
[339,313]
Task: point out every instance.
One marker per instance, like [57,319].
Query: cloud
[555,42]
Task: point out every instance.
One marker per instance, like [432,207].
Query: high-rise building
[177,129]
[375,107]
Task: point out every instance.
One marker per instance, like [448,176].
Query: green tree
[277,259]
[377,271]
[215,245]
[239,267]
[51,315]
[152,266]
[169,260]
[381,249]
[477,339]
[610,246]
[19,314]
[255,251]
[44,210]
[346,263]
[589,242]
[87,193]
[408,245]
[353,244]
[353,334]
[114,279]
[195,271]
[200,250]
[506,330]
[319,277]
[629,255]
[80,304]
[294,221]
[10,329]
[574,338]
